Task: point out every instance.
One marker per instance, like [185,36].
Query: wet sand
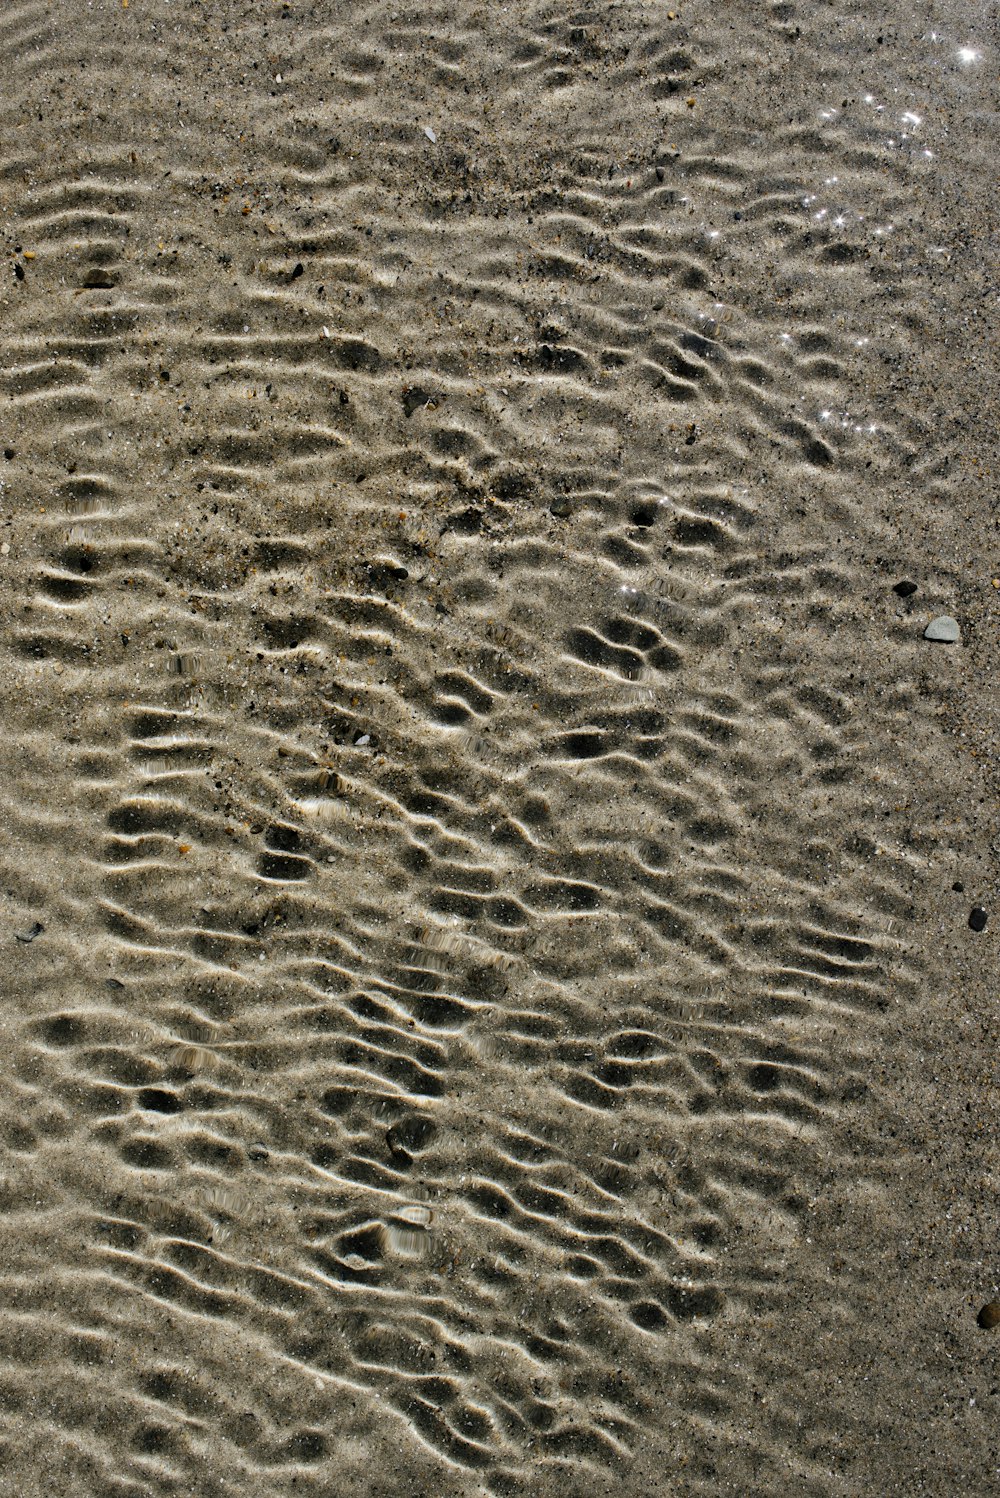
[489,1002]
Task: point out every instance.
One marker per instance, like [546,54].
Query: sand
[488,1002]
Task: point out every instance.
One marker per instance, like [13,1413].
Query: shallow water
[502,1020]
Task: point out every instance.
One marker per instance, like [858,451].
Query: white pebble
[943,628]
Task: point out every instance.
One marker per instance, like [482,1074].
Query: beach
[499,850]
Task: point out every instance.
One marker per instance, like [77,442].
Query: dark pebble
[989,1316]
[19,272]
[297,271]
[414,398]
[904,589]
[561,507]
[958,887]
[38,928]
[977,918]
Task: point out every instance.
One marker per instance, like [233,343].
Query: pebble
[28,936]
[978,918]
[943,628]
[989,1316]
[904,589]
[561,507]
[414,397]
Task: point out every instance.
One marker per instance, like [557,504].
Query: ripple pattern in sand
[440,465]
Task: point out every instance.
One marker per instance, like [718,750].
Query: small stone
[958,887]
[904,589]
[943,628]
[989,1316]
[978,918]
[561,507]
[414,398]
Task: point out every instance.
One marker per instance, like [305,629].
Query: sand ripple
[447,750]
